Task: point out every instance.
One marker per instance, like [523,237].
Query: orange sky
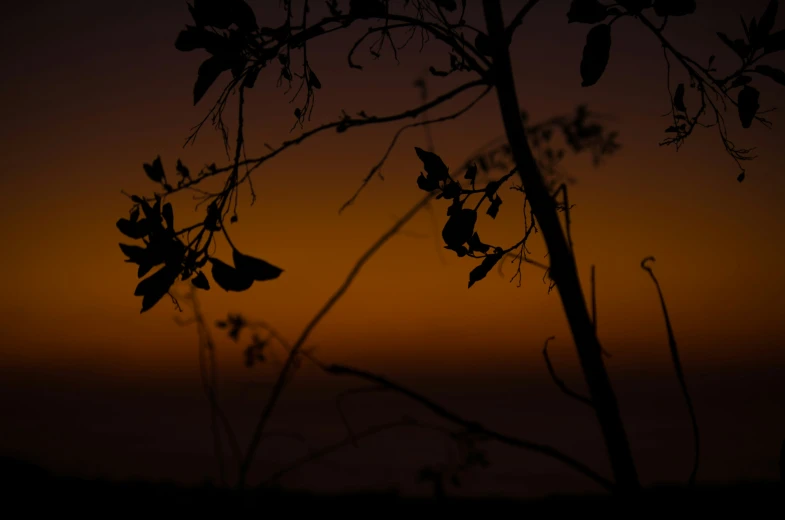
[80,120]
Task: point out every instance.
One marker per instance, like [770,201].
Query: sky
[92,90]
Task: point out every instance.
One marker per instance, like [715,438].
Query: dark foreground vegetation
[30,488]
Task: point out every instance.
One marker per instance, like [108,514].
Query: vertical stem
[563,269]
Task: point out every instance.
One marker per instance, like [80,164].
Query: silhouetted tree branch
[559,382]
[678,369]
[230,34]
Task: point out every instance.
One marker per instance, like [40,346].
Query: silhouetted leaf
[152,213]
[475,244]
[200,281]
[452,190]
[471,172]
[193,38]
[221,324]
[776,74]
[678,98]
[233,219]
[490,189]
[587,11]
[255,268]
[447,5]
[738,46]
[674,7]
[741,177]
[251,77]
[243,16]
[433,164]
[135,215]
[493,210]
[635,6]
[483,44]
[459,227]
[456,206]
[367,8]
[168,215]
[214,13]
[135,254]
[766,23]
[182,170]
[741,80]
[438,73]
[479,272]
[144,269]
[213,218]
[155,171]
[155,286]
[775,42]
[461,250]
[238,68]
[427,183]
[132,229]
[314,81]
[228,278]
[595,54]
[748,105]
[209,71]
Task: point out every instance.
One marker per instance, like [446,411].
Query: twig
[472,426]
[400,131]
[679,372]
[560,383]
[290,361]
[518,20]
[593,301]
[210,384]
[348,441]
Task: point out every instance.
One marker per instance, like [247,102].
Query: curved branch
[295,350]
[560,383]
[349,122]
[348,441]
[679,372]
[518,20]
[398,134]
[472,426]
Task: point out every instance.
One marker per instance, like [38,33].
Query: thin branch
[209,376]
[472,426]
[518,20]
[560,383]
[348,122]
[678,369]
[339,405]
[348,441]
[593,301]
[290,361]
[400,131]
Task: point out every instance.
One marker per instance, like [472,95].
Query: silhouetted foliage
[595,54]
[580,133]
[228,31]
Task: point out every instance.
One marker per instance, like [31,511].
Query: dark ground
[32,489]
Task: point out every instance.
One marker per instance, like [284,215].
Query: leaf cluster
[759,40]
[152,222]
[580,133]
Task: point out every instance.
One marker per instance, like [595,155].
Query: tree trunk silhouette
[563,270]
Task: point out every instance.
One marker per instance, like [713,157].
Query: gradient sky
[91,90]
